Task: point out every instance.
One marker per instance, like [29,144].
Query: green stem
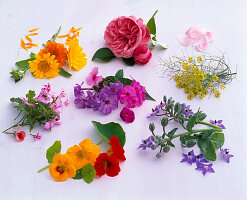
[100,142]
[208,124]
[44,168]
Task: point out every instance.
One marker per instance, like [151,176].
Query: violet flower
[205,168]
[189,158]
[201,159]
[217,123]
[156,110]
[108,103]
[146,143]
[187,111]
[225,153]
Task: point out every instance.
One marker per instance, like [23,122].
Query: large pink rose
[142,55]
[124,34]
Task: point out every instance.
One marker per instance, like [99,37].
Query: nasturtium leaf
[207,148]
[170,143]
[217,140]
[103,54]
[88,173]
[64,73]
[172,132]
[119,75]
[151,24]
[52,151]
[78,174]
[110,129]
[148,97]
[129,61]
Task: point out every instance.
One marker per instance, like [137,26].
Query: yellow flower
[76,58]
[215,78]
[199,59]
[190,59]
[62,167]
[83,154]
[44,66]
[222,86]
[217,94]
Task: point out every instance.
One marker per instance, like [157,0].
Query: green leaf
[52,151]
[190,143]
[104,55]
[191,123]
[166,149]
[207,134]
[172,132]
[207,148]
[54,37]
[129,61]
[119,75]
[148,97]
[182,139]
[151,24]
[170,143]
[111,129]
[78,174]
[32,55]
[64,73]
[30,95]
[217,140]
[88,173]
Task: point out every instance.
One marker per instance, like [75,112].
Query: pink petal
[186,40]
[209,36]
[195,32]
[202,45]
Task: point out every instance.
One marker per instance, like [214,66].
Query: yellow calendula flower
[44,66]
[76,58]
[83,154]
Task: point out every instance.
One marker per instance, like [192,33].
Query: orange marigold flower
[62,167]
[116,149]
[44,66]
[83,154]
[56,49]
[76,58]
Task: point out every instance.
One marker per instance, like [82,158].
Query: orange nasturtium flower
[56,49]
[83,154]
[62,167]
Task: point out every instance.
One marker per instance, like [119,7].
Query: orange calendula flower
[62,167]
[83,154]
[44,66]
[76,58]
[56,49]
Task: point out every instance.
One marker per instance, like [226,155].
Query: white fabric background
[142,176]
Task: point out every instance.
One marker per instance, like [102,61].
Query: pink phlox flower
[198,37]
[92,79]
[126,93]
[48,125]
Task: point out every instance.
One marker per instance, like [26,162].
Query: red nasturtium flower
[106,164]
[20,135]
[116,149]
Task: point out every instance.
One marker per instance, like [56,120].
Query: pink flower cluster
[132,95]
[127,37]
[198,37]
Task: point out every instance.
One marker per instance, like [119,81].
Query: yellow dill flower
[215,78]
[44,66]
[190,59]
[76,58]
[217,94]
[222,86]
[199,59]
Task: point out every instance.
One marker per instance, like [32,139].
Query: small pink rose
[124,34]
[142,55]
[92,79]
[127,115]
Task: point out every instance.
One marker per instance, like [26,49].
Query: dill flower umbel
[76,58]
[44,66]
[56,49]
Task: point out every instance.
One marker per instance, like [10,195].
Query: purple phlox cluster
[225,154]
[146,143]
[217,123]
[132,95]
[105,101]
[202,163]
[187,111]
[156,110]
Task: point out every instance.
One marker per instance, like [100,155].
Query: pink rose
[142,55]
[124,34]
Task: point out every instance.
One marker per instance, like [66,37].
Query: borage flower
[146,143]
[225,154]
[217,123]
[187,111]
[106,164]
[116,149]
[62,167]
[189,158]
[83,154]
[205,168]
